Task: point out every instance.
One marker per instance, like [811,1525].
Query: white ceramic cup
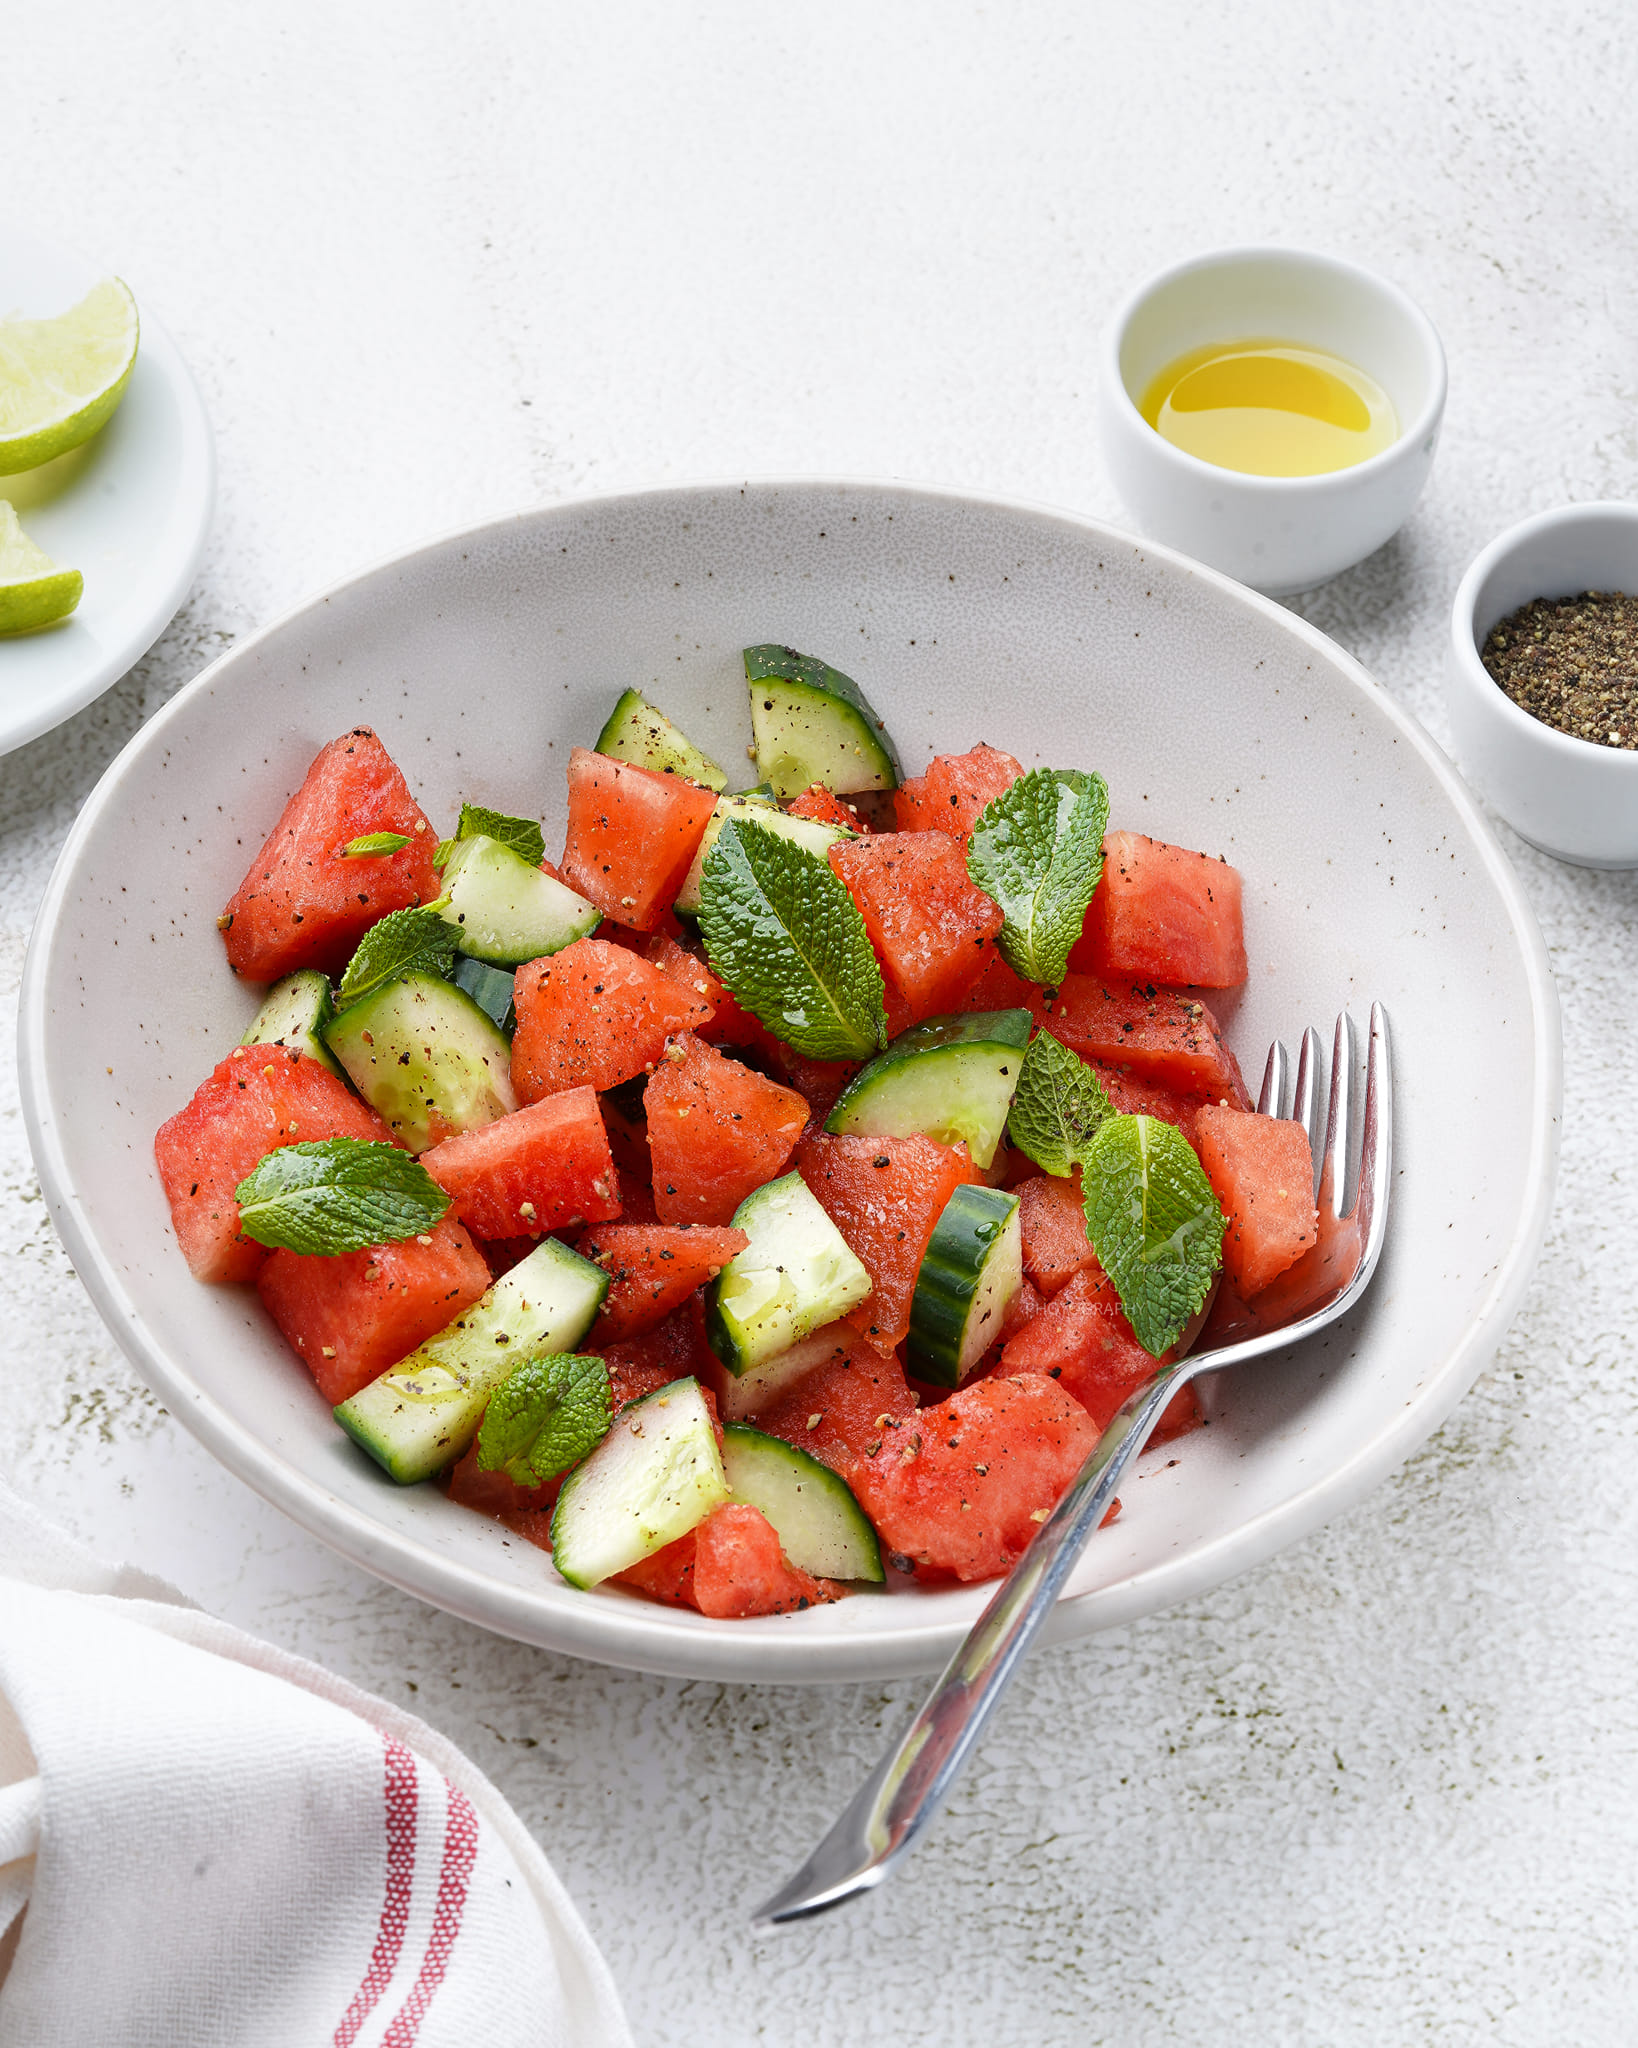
[1277,533]
[1568,796]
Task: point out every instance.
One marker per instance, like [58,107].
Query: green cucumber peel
[1037,851]
[404,942]
[1154,1222]
[546,1415]
[786,939]
[374,844]
[336,1195]
[1057,1108]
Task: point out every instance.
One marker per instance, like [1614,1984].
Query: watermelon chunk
[932,930]
[542,1168]
[632,837]
[959,1489]
[594,1015]
[257,1099]
[302,904]
[1053,1222]
[1162,913]
[715,1131]
[673,1350]
[525,1510]
[1082,1339]
[1133,1097]
[884,1195]
[998,987]
[730,1567]
[1155,1034]
[838,1412]
[825,807]
[956,787]
[351,1317]
[818,1082]
[653,1268]
[729,1024]
[1263,1173]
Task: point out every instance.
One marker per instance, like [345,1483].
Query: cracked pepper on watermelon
[739,1207]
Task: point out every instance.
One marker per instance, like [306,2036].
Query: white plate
[1220,721]
[129,509]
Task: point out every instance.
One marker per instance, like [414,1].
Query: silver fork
[900,1797]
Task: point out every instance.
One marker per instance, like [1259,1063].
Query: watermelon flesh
[632,836]
[1081,1339]
[653,1268]
[350,1318]
[884,1195]
[257,1099]
[542,1168]
[1130,1096]
[674,1349]
[303,904]
[933,932]
[594,1015]
[1162,1035]
[1262,1171]
[729,1568]
[1162,913]
[826,808]
[838,1412]
[1053,1222]
[959,1489]
[956,787]
[729,1024]
[716,1131]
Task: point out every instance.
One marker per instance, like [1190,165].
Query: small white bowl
[1278,533]
[1568,796]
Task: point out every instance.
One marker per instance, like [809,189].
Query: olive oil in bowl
[1270,408]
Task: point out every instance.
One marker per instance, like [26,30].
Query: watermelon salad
[778,1190]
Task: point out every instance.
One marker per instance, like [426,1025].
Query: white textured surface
[428,262]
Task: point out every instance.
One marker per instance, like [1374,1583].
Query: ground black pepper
[1572,662]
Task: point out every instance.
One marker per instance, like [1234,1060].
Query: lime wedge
[61,379]
[33,590]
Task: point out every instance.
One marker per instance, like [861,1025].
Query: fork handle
[911,1782]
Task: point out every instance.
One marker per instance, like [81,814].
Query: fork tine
[1272,1094]
[1376,1137]
[1339,1126]
[1305,1108]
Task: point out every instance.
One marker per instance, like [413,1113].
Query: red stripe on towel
[460,1853]
[401,1793]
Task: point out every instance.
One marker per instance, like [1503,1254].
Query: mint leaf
[1154,1222]
[786,939]
[374,843]
[404,942]
[544,1417]
[1057,1107]
[523,835]
[337,1195]
[441,853]
[1037,849]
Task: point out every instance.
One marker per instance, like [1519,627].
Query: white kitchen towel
[208,1843]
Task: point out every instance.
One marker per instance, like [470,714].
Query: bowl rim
[634,1634]
[1194,467]
[1492,701]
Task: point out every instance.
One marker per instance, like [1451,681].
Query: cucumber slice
[814,724]
[821,1527]
[757,810]
[656,1475]
[426,1058]
[506,911]
[950,1078]
[638,731]
[747,1395]
[422,1415]
[971,1269]
[796,1273]
[490,988]
[295,1013]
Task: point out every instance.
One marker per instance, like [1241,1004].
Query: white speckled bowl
[1220,721]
